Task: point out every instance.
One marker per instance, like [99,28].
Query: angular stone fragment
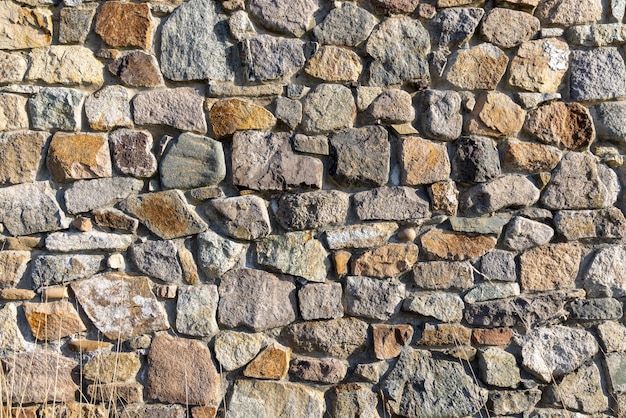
[444,197]
[132,152]
[289,111]
[388,260]
[490,291]
[13,112]
[569,12]
[373,298]
[443,275]
[57,269]
[137,69]
[609,120]
[552,266]
[122,392]
[580,390]
[166,214]
[60,64]
[123,24]
[479,67]
[389,340]
[241,27]
[508,28]
[539,65]
[445,307]
[85,241]
[423,162]
[596,74]
[56,108]
[111,367]
[394,6]
[181,108]
[597,35]
[605,276]
[348,25]
[23,27]
[456,26]
[12,68]
[328,108]
[528,157]
[293,18]
[447,245]
[86,195]
[320,301]
[73,156]
[614,365]
[612,336]
[595,309]
[525,310]
[511,190]
[241,217]
[590,224]
[523,233]
[115,219]
[475,160]
[337,337]
[217,255]
[267,57]
[371,372]
[495,336]
[391,203]
[142,410]
[157,259]
[230,115]
[360,236]
[496,115]
[107,108]
[335,64]
[196,308]
[11,339]
[266,161]
[75,23]
[354,400]
[236,349]
[442,119]
[12,267]
[271,363]
[483,225]
[498,368]
[312,210]
[52,321]
[567,125]
[325,370]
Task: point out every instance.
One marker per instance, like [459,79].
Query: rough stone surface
[391,204]
[320,301]
[293,18]
[58,269]
[236,349]
[475,160]
[111,367]
[445,334]
[267,57]
[389,340]
[496,195]
[423,162]
[131,152]
[86,195]
[326,370]
[289,111]
[360,236]
[12,68]
[87,241]
[596,309]
[328,108]
[482,225]
[443,275]
[595,74]
[313,209]
[442,306]
[217,255]
[73,156]
[495,115]
[125,24]
[13,265]
[539,65]
[338,338]
[567,125]
[529,157]
[271,363]
[580,390]
[498,368]
[508,28]
[108,108]
[56,108]
[242,217]
[439,244]
[11,339]
[605,277]
[569,12]
[13,112]
[548,267]
[196,309]
[348,25]
[523,233]
[335,64]
[230,115]
[456,26]
[157,259]
[393,106]
[590,224]
[479,67]
[75,24]
[53,321]
[442,117]
[444,197]
[373,298]
[137,69]
[59,64]
[389,260]
[180,108]
[23,27]
[490,291]
[612,336]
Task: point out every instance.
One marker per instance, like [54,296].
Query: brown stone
[88,346]
[82,224]
[444,197]
[79,156]
[111,367]
[567,125]
[12,267]
[540,65]
[333,63]
[494,336]
[423,161]
[52,321]
[21,243]
[122,24]
[569,12]
[182,371]
[495,115]
[203,412]
[231,115]
[445,334]
[388,260]
[529,157]
[447,245]
[338,338]
[123,392]
[322,370]
[13,112]
[188,265]
[20,412]
[23,27]
[73,410]
[137,69]
[271,363]
[479,67]
[17,294]
[508,28]
[341,260]
[459,3]
[132,152]
[438,275]
[115,219]
[394,6]
[390,339]
[525,5]
[550,267]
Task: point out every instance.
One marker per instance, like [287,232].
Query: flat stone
[320,301]
[445,334]
[523,233]
[612,336]
[447,245]
[391,203]
[498,368]
[11,339]
[115,219]
[552,352]
[595,74]
[608,118]
[271,363]
[141,410]
[569,12]
[597,35]
[495,115]
[157,259]
[196,308]
[352,400]
[122,392]
[590,224]
[58,269]
[495,336]
[181,108]
[165,214]
[508,28]
[312,210]
[109,297]
[295,253]
[348,25]
[567,125]
[441,119]
[325,370]
[483,225]
[206,193]
[445,307]
[241,217]
[194,43]
[268,57]
[444,197]
[549,267]
[266,161]
[86,195]
[389,340]
[284,16]
[479,67]
[111,367]
[493,196]
[389,260]
[615,363]
[423,162]
[256,299]
[604,276]
[289,111]
[475,160]
[75,23]
[182,371]
[231,115]
[580,390]
[236,349]
[539,65]
[65,64]
[24,27]
[335,64]
[108,108]
[394,6]
[459,3]
[490,291]
[442,275]
[121,24]
[529,157]
[12,67]
[338,338]
[360,236]
[328,108]
[531,100]
[13,265]
[73,156]
[392,106]
[52,321]
[514,401]
[13,112]
[56,108]
[132,152]
[373,298]
[595,309]
[137,69]
[217,255]
[192,161]
[229,89]
[456,26]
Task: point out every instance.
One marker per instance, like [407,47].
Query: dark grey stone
[595,309]
[475,160]
[312,210]
[157,259]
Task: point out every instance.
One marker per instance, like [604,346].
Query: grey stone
[196,308]
[580,391]
[445,307]
[217,255]
[441,118]
[499,265]
[392,106]
[338,338]
[590,224]
[267,57]
[595,309]
[56,108]
[75,23]
[597,35]
[157,259]
[21,153]
[294,253]
[373,298]
[328,108]
[289,111]
[108,108]
[360,156]
[508,28]
[317,144]
[348,25]
[360,236]
[420,386]
[230,89]
[612,336]
[552,352]
[530,100]
[29,208]
[475,160]
[320,301]
[313,210]
[153,411]
[443,275]
[255,299]
[496,195]
[240,26]
[609,118]
[483,225]
[371,372]
[456,26]
[192,161]
[194,43]
[236,349]
[285,16]
[11,339]
[523,233]
[618,7]
[13,112]
[596,74]
[67,242]
[86,195]
[615,364]
[181,108]
[514,402]
[498,368]
[490,291]
[58,269]
[241,217]
[606,275]
[12,68]
[399,47]
[391,203]
[132,152]
[353,400]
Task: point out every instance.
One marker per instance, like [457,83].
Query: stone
[312,210]
[217,255]
[194,43]
[580,182]
[447,245]
[13,265]
[12,68]
[182,371]
[11,339]
[271,398]
[131,151]
[392,106]
[53,321]
[608,120]
[365,95]
[618,7]
[38,377]
[241,26]
[188,265]
[192,161]
[236,349]
[56,108]
[284,16]
[30,208]
[231,115]
[475,160]
[531,100]
[442,306]
[569,12]
[373,298]
[580,390]
[320,301]
[508,28]
[267,57]
[111,301]
[256,299]
[141,410]
[498,368]
[121,24]
[73,156]
[271,363]
[295,253]
[157,259]
[552,266]
[13,112]
[289,111]
[604,276]
[111,367]
[495,115]
[388,260]
[325,370]
[612,336]
[196,308]
[529,157]
[567,125]
[595,309]
[311,144]
[514,402]
[165,214]
[23,27]
[495,195]
[495,336]
[75,23]
[354,400]
[229,89]
[391,203]
[595,74]
[552,352]
[392,7]
[82,224]
[444,387]
[341,259]
[399,47]
[206,193]
[108,108]
[490,291]
[389,340]
[338,338]
[441,118]
[444,197]
[456,26]
[443,275]
[85,241]
[61,64]
[180,108]
[371,372]
[423,162]
[480,67]
[122,392]
[328,108]
[539,65]
[597,35]
[335,64]
[241,217]
[459,3]
[614,365]
[483,225]
[590,224]
[360,236]
[266,161]
[137,69]
[499,265]
[523,234]
[86,195]
[348,25]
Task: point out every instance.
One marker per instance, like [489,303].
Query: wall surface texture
[308,209]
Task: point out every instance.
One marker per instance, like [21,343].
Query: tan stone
[20,412]
[79,156]
[12,68]
[73,410]
[88,346]
[423,161]
[444,197]
[120,392]
[21,243]
[231,115]
[569,12]
[125,24]
[17,294]
[529,157]
[188,265]
[333,63]
[445,334]
[447,245]
[54,293]
[390,339]
[526,5]
[508,28]
[550,267]
[23,27]
[388,260]
[567,125]
[479,67]
[65,64]
[82,224]
[203,412]
[20,153]
[137,69]
[12,267]
[341,260]
[52,321]
[494,336]
[111,367]
[271,363]
[496,115]
[443,275]
[13,112]
[539,65]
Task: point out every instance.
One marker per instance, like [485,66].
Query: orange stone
[52,321]
[16,294]
[495,336]
[447,245]
[445,334]
[203,412]
[271,363]
[388,260]
[497,115]
[423,162]
[390,339]
[79,156]
[550,267]
[231,115]
[530,157]
[125,24]
[88,346]
[341,259]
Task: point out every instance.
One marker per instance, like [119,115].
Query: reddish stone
[495,336]
[125,24]
[390,339]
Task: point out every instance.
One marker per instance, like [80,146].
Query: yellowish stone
[22,27]
[79,156]
[271,363]
[52,321]
[231,115]
[333,63]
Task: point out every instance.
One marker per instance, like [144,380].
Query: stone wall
[300,208]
